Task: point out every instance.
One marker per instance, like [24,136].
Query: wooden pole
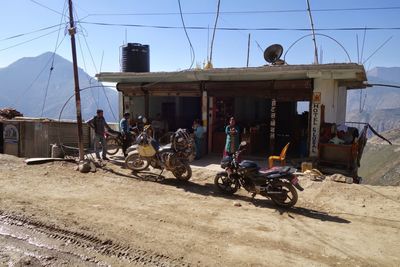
[248,50]
[313,33]
[72,32]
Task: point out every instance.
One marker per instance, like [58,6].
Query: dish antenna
[273,53]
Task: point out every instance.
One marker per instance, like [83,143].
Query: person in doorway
[232,137]
[99,125]
[125,130]
[198,131]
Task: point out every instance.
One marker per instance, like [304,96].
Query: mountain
[377,105]
[23,86]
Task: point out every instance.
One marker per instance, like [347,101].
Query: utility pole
[72,32]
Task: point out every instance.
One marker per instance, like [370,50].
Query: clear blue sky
[169,48]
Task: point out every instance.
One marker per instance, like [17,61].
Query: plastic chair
[280,158]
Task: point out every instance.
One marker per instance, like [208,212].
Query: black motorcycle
[172,157]
[278,183]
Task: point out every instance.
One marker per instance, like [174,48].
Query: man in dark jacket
[125,131]
[99,125]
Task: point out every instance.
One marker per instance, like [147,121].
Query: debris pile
[9,113]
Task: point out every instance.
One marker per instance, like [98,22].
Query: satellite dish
[273,53]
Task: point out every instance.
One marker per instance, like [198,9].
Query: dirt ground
[52,215]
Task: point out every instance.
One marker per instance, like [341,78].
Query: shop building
[273,105]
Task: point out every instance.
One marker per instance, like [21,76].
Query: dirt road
[51,214]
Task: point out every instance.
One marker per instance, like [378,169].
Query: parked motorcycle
[278,183]
[116,140]
[172,157]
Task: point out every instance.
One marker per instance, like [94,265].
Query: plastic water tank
[135,57]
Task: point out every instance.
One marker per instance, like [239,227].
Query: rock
[237,204]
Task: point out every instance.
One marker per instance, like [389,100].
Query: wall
[333,98]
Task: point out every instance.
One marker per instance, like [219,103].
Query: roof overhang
[350,75]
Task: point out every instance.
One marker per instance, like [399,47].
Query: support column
[211,116]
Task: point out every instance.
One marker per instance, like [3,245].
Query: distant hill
[24,90]
[380,164]
[380,106]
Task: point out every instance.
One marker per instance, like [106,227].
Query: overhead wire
[53,58]
[48,8]
[95,67]
[28,41]
[244,12]
[192,53]
[28,33]
[237,28]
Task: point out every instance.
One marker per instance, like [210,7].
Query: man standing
[125,131]
[198,131]
[99,124]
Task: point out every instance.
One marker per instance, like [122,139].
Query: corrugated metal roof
[340,71]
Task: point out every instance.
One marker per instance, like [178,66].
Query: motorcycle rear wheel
[225,184]
[183,172]
[135,162]
[289,196]
[113,145]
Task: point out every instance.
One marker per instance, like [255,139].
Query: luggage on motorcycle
[146,150]
[248,166]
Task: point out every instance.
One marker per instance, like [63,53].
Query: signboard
[273,119]
[315,123]
[10,134]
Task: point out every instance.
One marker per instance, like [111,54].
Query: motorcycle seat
[276,172]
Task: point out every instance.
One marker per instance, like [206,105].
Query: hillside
[380,106]
[25,89]
[380,164]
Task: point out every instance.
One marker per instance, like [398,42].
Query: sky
[98,46]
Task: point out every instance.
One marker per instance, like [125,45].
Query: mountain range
[23,85]
[377,105]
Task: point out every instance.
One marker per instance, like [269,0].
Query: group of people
[100,126]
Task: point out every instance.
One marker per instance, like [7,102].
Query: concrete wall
[333,98]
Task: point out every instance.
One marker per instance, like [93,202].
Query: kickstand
[159,176]
[252,196]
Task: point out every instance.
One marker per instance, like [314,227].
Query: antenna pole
[313,33]
[72,32]
[248,50]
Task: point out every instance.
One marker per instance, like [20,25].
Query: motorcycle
[116,140]
[172,157]
[278,183]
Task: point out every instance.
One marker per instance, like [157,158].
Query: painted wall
[333,98]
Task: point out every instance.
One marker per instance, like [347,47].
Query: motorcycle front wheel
[287,198]
[112,145]
[225,184]
[135,162]
[183,172]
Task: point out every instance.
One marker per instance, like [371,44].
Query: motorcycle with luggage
[172,157]
[278,183]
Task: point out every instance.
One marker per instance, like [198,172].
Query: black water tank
[135,58]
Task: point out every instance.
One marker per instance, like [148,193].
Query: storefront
[273,105]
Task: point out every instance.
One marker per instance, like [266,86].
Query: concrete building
[264,100]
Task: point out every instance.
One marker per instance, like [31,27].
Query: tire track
[90,242]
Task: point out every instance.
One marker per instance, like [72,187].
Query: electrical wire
[245,12]
[28,33]
[214,30]
[95,67]
[237,28]
[48,8]
[53,57]
[28,41]
[192,53]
